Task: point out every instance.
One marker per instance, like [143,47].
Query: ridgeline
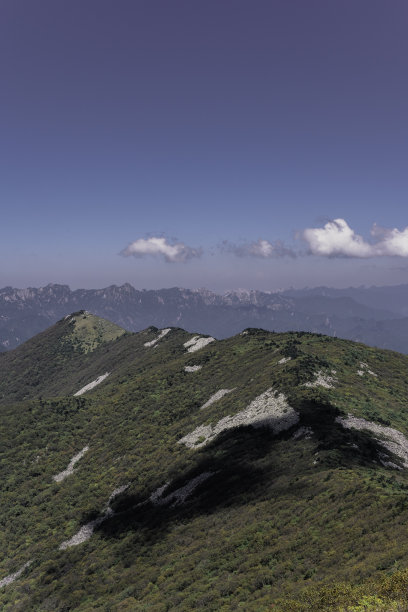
[163,470]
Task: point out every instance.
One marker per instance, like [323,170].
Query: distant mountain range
[377,316]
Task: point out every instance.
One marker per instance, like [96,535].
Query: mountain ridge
[25,312]
[194,473]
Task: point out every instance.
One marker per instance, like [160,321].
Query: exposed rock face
[217,396]
[364,369]
[392,439]
[194,368]
[322,380]
[267,410]
[92,384]
[70,469]
[180,495]
[87,530]
[12,577]
[163,332]
[196,343]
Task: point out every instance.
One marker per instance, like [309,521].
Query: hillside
[50,356]
[364,315]
[163,470]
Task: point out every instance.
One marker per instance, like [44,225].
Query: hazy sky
[218,143]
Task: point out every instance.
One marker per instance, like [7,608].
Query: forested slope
[164,470]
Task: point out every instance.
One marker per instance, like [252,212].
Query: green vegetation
[89,331]
[282,523]
[46,361]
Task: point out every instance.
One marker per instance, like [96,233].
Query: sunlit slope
[191,473]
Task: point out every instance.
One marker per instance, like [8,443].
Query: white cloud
[390,241]
[261,248]
[338,239]
[157,246]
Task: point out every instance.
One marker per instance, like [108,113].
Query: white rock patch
[12,577]
[217,396]
[157,494]
[87,530]
[117,492]
[284,359]
[384,458]
[180,495]
[365,370]
[70,469]
[396,442]
[193,368]
[163,332]
[269,409]
[84,533]
[92,384]
[303,432]
[322,380]
[196,343]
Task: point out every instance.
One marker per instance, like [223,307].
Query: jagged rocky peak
[51,291]
[253,297]
[116,290]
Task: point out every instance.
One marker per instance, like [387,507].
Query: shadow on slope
[248,465]
[336,445]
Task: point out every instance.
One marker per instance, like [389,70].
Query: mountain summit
[166,470]
[50,355]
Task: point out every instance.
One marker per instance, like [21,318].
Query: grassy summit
[47,359]
[142,494]
[89,331]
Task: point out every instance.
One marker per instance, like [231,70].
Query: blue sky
[204,143]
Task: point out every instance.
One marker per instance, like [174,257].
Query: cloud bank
[338,239]
[261,248]
[335,239]
[157,246]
